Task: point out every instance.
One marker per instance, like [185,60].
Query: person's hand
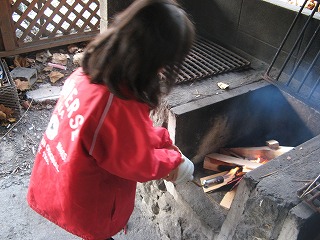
[172,176]
[183,173]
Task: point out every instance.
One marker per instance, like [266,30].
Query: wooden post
[7,27]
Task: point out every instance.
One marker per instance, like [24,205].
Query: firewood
[273,144]
[229,153]
[259,152]
[228,198]
[215,161]
[216,165]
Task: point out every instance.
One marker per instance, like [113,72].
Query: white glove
[185,171]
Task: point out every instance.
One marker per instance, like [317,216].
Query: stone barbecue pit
[256,107]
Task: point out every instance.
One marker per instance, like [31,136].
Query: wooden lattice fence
[29,25]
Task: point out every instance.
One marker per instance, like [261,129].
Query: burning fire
[260,160]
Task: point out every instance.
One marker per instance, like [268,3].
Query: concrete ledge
[297,217]
[45,92]
[273,208]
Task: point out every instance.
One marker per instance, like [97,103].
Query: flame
[233,171]
[260,160]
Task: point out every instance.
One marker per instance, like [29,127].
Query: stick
[304,193]
[267,175]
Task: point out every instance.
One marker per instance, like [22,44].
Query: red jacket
[94,151]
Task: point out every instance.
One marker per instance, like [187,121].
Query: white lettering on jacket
[61,151]
[45,157]
[66,109]
[51,157]
[70,105]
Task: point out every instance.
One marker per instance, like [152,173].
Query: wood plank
[228,198]
[273,144]
[216,165]
[229,153]
[229,160]
[260,152]
[7,27]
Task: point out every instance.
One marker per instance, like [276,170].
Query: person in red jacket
[100,140]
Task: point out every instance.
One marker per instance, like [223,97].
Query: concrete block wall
[248,119]
[252,28]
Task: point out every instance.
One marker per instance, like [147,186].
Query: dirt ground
[156,216]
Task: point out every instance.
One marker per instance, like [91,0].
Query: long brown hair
[148,36]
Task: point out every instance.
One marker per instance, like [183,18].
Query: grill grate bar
[205,62]
[302,57]
[221,53]
[208,59]
[299,66]
[212,55]
[213,62]
[314,88]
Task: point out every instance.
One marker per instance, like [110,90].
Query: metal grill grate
[207,59]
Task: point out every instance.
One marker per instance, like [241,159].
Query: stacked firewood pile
[231,164]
